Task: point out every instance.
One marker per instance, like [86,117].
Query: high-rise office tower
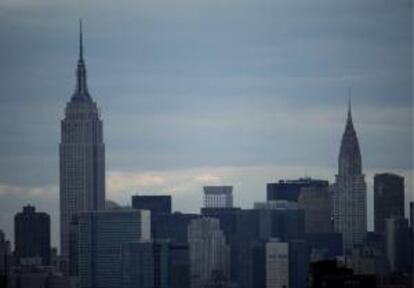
[316,203]
[290,190]
[397,244]
[277,264]
[102,235]
[388,199]
[32,236]
[138,265]
[209,252]
[218,196]
[350,192]
[82,156]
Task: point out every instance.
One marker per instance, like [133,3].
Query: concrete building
[32,236]
[102,235]
[316,202]
[388,199]
[218,196]
[82,156]
[209,252]
[350,191]
[277,264]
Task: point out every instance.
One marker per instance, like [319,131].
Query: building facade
[388,199]
[82,156]
[397,244]
[277,264]
[32,237]
[209,253]
[102,235]
[350,192]
[290,190]
[317,206]
[218,196]
[138,265]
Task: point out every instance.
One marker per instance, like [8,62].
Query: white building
[350,191]
[218,196]
[277,264]
[208,251]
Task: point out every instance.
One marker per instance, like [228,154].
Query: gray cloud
[189,84]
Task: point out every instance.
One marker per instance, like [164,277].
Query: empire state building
[82,155]
[350,192]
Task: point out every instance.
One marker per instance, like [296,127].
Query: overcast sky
[204,92]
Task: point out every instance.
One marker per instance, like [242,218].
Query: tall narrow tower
[82,155]
[349,200]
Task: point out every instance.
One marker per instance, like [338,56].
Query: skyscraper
[218,196]
[397,244]
[349,199]
[388,199]
[82,155]
[277,264]
[291,189]
[316,203]
[209,252]
[32,236]
[102,234]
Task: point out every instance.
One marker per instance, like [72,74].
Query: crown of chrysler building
[350,191]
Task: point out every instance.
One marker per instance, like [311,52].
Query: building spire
[81,92]
[80,40]
[349,103]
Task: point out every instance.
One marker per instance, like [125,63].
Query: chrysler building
[82,155]
[350,192]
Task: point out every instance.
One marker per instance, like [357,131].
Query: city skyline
[226,167]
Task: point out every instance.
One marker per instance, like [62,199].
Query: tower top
[80,40]
[350,102]
[81,93]
[349,153]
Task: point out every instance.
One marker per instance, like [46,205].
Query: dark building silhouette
[298,263]
[172,226]
[138,265]
[331,275]
[282,223]
[397,244]
[179,266]
[290,189]
[325,246]
[388,199]
[316,202]
[244,247]
[157,204]
[5,259]
[32,236]
[82,156]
